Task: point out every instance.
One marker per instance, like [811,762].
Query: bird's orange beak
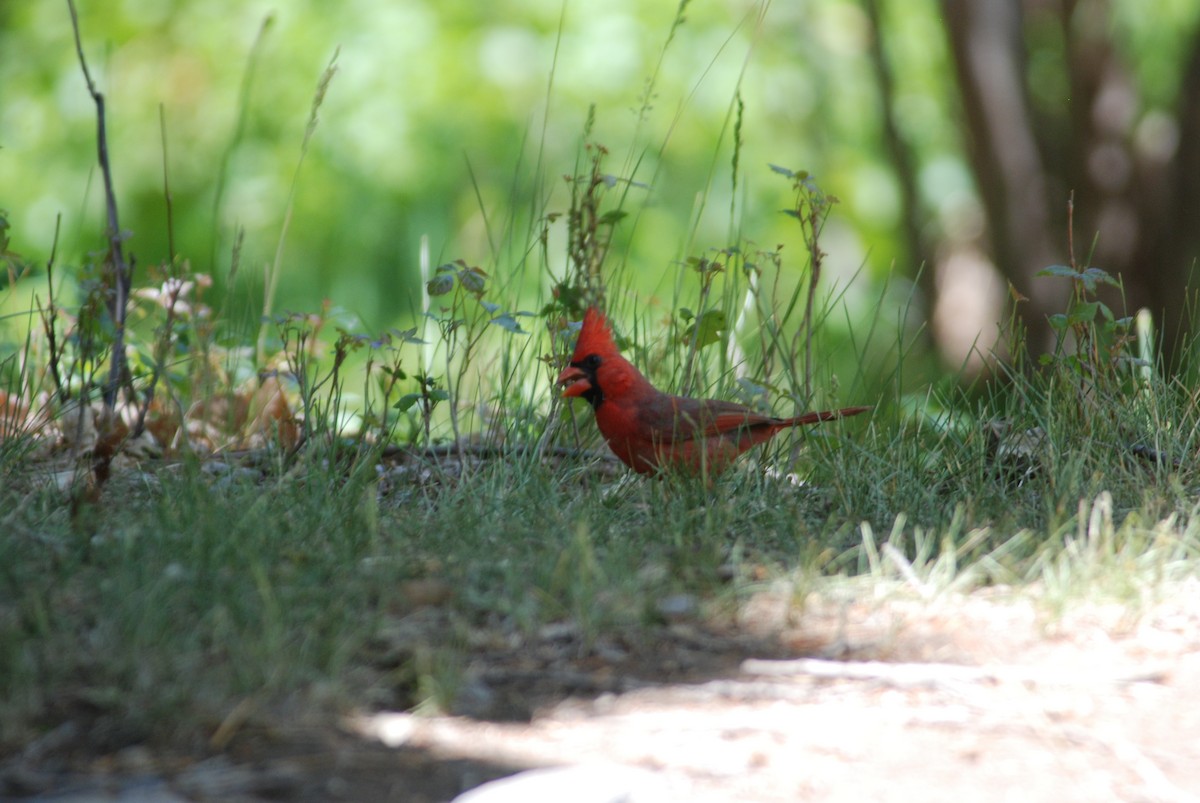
[575,380]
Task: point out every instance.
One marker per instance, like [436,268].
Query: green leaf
[440,285]
[1083,313]
[613,217]
[753,391]
[1058,322]
[1098,276]
[508,323]
[569,298]
[408,336]
[473,280]
[783,171]
[406,401]
[704,265]
[752,387]
[438,395]
[707,329]
[1062,271]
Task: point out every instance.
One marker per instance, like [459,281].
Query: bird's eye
[591,361]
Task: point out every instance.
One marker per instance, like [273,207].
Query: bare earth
[982,698]
[989,696]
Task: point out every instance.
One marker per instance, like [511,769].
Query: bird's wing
[684,419]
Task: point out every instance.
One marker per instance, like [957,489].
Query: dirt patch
[982,697]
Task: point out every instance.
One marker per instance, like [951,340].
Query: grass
[205,587]
[159,599]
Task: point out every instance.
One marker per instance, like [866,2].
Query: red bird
[649,429]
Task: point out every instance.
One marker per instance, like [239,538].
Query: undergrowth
[191,519]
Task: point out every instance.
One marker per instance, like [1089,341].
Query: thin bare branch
[122,270]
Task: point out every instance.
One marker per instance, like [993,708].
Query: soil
[859,694]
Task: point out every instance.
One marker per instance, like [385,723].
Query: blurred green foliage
[429,97]
[456,120]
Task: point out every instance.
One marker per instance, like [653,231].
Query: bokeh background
[952,132]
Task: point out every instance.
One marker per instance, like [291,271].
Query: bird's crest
[596,336]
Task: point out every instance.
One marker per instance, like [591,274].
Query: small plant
[429,396]
[589,232]
[1102,341]
[462,325]
[811,209]
[387,373]
[706,327]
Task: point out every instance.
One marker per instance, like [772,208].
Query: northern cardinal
[649,429]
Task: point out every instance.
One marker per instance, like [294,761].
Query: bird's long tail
[824,415]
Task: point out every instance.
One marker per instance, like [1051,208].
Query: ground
[855,692]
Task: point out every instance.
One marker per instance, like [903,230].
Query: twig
[551,678]
[816,257]
[745,691]
[934,674]
[232,723]
[123,273]
[162,125]
[484,452]
[49,316]
[174,287]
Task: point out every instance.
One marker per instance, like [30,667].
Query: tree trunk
[1136,180]
[986,43]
